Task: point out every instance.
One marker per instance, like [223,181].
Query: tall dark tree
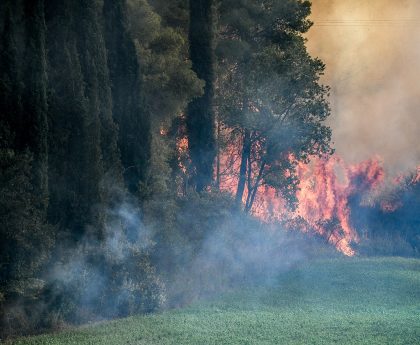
[200,115]
[96,113]
[24,84]
[129,110]
[25,238]
[74,137]
[71,109]
[35,94]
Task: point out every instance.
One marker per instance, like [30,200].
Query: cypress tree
[200,115]
[24,84]
[10,88]
[128,109]
[74,136]
[60,155]
[25,236]
[35,95]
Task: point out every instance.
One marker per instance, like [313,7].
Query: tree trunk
[253,191]
[218,156]
[246,151]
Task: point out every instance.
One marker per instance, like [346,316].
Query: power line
[356,24]
[403,22]
[369,20]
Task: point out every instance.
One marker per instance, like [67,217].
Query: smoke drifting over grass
[372,53]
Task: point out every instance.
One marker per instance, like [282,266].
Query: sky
[372,52]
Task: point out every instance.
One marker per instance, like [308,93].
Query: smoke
[128,217]
[238,254]
[112,277]
[372,54]
[211,247]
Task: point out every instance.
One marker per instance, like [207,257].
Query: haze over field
[372,53]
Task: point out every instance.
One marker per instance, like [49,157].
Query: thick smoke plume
[372,53]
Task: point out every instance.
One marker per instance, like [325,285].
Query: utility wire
[413,22]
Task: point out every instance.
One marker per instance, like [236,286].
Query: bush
[99,283]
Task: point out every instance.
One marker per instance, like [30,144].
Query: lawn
[340,301]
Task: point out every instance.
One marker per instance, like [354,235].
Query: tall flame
[324,190]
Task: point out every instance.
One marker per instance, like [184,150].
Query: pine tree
[269,92]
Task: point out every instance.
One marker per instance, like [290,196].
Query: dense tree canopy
[269,91]
[96,100]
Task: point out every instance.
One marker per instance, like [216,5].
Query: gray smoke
[372,53]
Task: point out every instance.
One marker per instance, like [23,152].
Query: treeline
[102,212]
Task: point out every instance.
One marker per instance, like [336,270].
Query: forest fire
[163,155]
[325,187]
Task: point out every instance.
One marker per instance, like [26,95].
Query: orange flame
[182,145]
[417,177]
[322,196]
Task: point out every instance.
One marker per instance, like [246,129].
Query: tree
[200,114]
[25,236]
[168,85]
[76,165]
[129,110]
[100,146]
[269,91]
[174,13]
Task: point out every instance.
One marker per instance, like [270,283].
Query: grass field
[342,301]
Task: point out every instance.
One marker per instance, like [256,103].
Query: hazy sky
[372,52]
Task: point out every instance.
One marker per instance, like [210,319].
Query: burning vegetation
[328,194]
[149,147]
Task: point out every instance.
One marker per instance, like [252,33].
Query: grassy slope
[345,301]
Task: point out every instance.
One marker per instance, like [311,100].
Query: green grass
[342,301]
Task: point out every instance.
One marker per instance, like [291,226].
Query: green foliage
[25,236]
[130,112]
[168,81]
[69,76]
[25,240]
[168,85]
[269,89]
[174,13]
[105,271]
[104,282]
